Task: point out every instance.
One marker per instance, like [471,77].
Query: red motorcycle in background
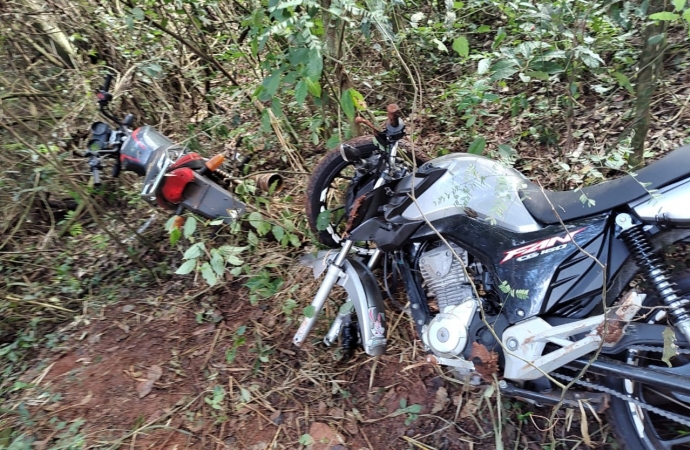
[174,178]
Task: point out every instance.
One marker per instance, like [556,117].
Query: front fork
[335,271]
[364,299]
[348,308]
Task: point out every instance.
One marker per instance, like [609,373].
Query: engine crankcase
[446,335]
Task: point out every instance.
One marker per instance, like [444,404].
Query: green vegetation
[569,92]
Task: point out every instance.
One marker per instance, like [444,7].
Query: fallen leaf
[670,347]
[86,399]
[324,437]
[440,401]
[127,308]
[154,374]
[469,409]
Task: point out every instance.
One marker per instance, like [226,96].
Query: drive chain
[661,412]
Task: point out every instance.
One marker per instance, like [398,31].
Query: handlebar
[106,84]
[394,129]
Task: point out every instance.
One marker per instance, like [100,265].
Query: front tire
[325,202]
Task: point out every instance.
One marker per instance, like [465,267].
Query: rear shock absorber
[643,253]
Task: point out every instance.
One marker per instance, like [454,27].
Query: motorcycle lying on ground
[504,277]
[174,178]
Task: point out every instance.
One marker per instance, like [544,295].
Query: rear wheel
[326,200]
[641,429]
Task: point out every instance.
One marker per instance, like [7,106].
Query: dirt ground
[214,372]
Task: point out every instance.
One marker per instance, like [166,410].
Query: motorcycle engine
[447,334]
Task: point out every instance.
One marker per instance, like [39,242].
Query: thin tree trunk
[650,64]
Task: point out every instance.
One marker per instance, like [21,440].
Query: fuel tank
[668,206]
[474,186]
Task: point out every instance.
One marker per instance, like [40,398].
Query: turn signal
[215,162]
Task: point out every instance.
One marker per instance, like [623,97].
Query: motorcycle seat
[571,205]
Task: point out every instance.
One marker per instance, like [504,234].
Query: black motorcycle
[504,277]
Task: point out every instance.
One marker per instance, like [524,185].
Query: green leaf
[301,92]
[189,227]
[686,15]
[477,146]
[234,260]
[323,220]
[255,218]
[440,45]
[471,121]
[252,239]
[278,232]
[138,13]
[186,267]
[263,228]
[175,235]
[217,262]
[538,75]
[461,46]
[306,439]
[483,29]
[347,104]
[315,65]
[500,36]
[679,4]
[506,151]
[357,100]
[483,66]
[309,311]
[266,121]
[656,39]
[194,251]
[271,84]
[504,72]
[624,81]
[664,15]
[208,274]
[314,87]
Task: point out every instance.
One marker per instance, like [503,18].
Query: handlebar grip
[116,170]
[106,84]
[393,113]
[96,177]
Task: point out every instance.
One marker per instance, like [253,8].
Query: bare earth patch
[157,375]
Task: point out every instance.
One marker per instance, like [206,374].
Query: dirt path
[217,373]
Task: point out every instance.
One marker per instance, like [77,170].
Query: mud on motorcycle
[505,277]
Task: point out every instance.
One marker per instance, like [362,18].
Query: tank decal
[540,247]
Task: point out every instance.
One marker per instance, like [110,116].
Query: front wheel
[326,199]
[644,429]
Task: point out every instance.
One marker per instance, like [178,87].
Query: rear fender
[206,198]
